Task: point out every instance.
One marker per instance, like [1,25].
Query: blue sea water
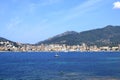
[68,66]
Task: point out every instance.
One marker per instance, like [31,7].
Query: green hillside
[109,35]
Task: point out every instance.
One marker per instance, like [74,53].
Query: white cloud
[116,5]
[72,13]
[80,9]
[65,16]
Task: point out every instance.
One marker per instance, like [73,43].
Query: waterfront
[7,46]
[68,66]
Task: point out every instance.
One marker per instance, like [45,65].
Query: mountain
[109,35]
[3,39]
[6,40]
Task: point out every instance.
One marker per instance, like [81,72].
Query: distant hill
[5,40]
[109,35]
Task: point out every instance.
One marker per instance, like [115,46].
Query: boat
[56,55]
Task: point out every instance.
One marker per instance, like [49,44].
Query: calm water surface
[68,66]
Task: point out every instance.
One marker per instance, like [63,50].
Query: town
[8,46]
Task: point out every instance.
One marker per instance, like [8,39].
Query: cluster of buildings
[8,46]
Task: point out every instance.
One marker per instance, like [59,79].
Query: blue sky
[30,21]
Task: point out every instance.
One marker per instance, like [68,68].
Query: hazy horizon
[31,21]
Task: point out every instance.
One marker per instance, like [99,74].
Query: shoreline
[58,51]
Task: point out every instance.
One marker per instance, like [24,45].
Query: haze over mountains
[109,35]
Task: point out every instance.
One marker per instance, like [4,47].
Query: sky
[31,21]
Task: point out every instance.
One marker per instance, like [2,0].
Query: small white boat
[56,55]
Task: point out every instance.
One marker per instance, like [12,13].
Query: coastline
[58,51]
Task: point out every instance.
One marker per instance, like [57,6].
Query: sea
[67,66]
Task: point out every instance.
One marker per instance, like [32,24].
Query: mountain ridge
[109,35]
